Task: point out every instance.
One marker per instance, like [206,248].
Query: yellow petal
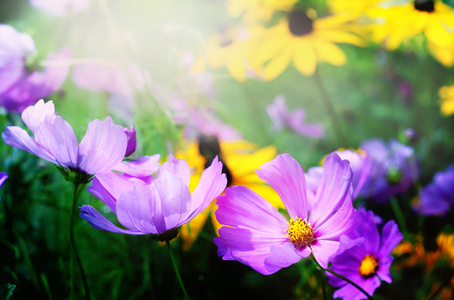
[338,36]
[436,33]
[305,60]
[237,67]
[329,52]
[277,65]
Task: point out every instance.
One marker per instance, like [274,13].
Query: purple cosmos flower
[360,164]
[102,147]
[437,198]
[293,120]
[257,235]
[3,177]
[367,263]
[28,87]
[14,46]
[164,205]
[132,141]
[59,8]
[108,186]
[394,169]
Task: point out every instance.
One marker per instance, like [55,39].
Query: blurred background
[177,70]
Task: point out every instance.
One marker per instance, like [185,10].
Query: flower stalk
[77,190]
[176,270]
[330,108]
[345,279]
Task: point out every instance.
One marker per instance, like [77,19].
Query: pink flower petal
[102,147]
[212,183]
[19,138]
[286,176]
[333,189]
[177,167]
[59,139]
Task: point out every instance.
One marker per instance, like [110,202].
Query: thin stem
[330,108]
[351,282]
[176,270]
[345,279]
[399,215]
[325,296]
[77,190]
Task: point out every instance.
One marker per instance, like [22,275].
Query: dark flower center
[424,5]
[299,23]
[225,40]
[209,147]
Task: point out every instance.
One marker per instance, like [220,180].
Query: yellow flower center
[368,267]
[425,5]
[300,232]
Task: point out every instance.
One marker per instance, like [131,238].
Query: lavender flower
[102,147]
[28,87]
[282,118]
[132,141]
[161,207]
[108,186]
[437,198]
[367,263]
[394,169]
[14,47]
[257,235]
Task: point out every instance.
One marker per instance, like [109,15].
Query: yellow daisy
[231,48]
[444,54]
[446,95]
[354,8]
[303,40]
[257,10]
[240,160]
[400,22]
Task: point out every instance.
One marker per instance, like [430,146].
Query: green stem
[331,111]
[345,279]
[77,189]
[176,270]
[399,215]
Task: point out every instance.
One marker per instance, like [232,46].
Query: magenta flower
[101,149]
[161,207]
[3,177]
[394,168]
[294,121]
[437,198]
[257,235]
[59,8]
[132,141]
[367,263]
[28,87]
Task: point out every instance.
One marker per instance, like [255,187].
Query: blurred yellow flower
[444,54]
[231,48]
[304,40]
[446,95]
[445,244]
[241,159]
[354,8]
[400,22]
[257,10]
